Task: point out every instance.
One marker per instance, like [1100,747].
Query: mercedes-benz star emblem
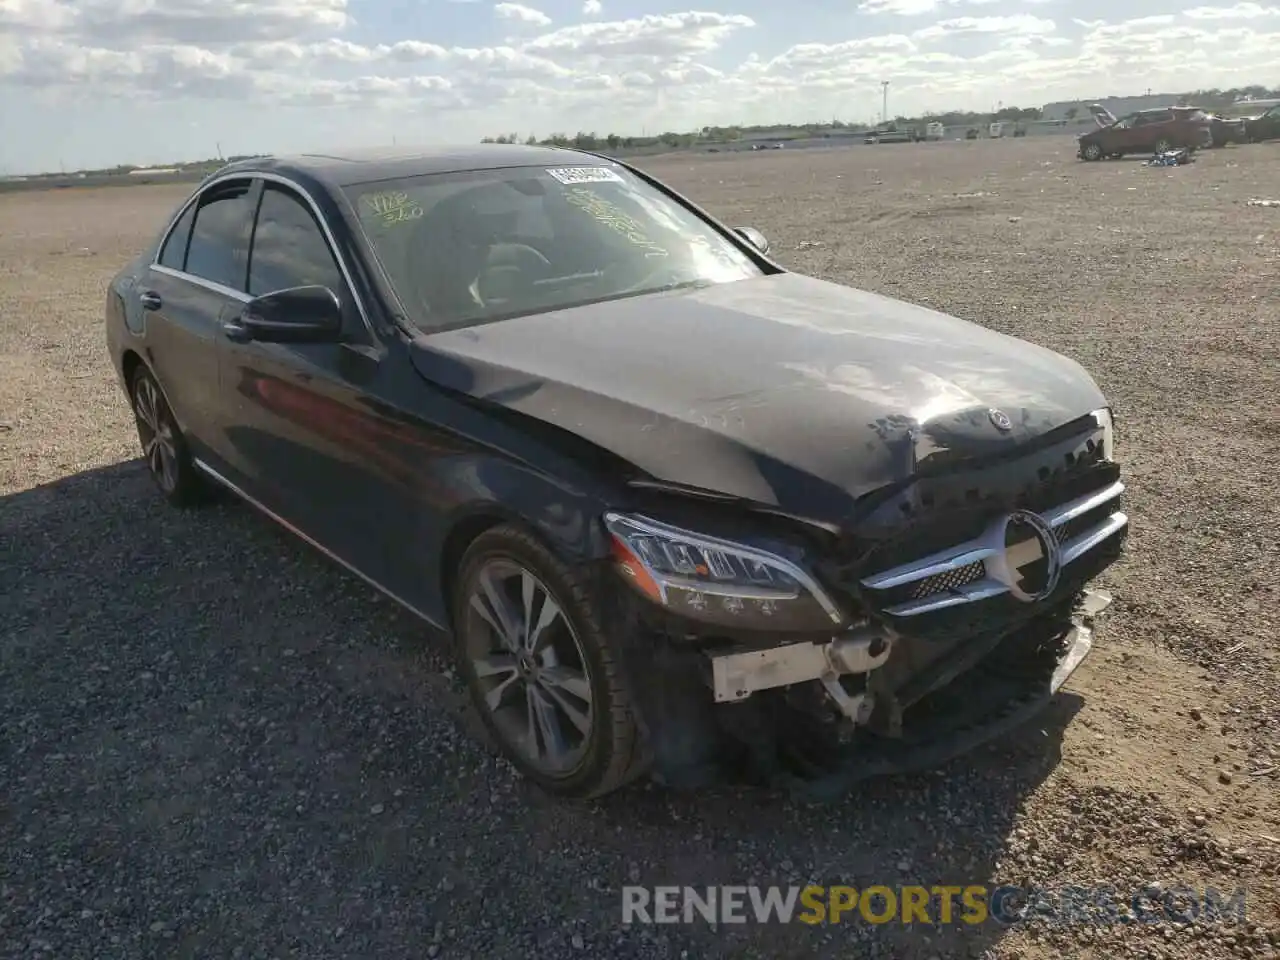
[1000,420]
[1030,564]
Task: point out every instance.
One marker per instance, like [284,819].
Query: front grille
[936,546]
[943,582]
[996,574]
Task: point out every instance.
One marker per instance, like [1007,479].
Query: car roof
[345,167]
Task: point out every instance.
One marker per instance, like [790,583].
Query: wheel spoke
[495,697]
[496,611]
[495,664]
[546,726]
[546,616]
[572,682]
[563,688]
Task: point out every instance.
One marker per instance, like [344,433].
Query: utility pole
[884,102]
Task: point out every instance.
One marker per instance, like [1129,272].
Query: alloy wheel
[531,667]
[157,434]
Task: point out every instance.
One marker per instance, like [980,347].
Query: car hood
[785,390]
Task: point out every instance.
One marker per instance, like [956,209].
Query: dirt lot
[216,744]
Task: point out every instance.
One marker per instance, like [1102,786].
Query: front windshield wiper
[569,278]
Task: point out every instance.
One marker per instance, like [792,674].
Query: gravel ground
[215,744]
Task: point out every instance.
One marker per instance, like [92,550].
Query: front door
[308,437]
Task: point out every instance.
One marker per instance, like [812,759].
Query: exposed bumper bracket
[735,676]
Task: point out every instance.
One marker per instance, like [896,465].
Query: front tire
[163,446]
[1091,152]
[543,674]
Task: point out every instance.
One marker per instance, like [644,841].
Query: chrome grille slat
[1057,516]
[944,582]
[1079,546]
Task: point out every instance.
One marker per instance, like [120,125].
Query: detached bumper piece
[1013,683]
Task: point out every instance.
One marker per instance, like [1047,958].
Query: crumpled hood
[785,390]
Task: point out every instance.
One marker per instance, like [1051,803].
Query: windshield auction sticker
[572,175]
[608,215]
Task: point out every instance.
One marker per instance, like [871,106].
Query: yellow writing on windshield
[392,207]
[608,214]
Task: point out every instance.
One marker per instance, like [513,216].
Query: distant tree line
[1209,99]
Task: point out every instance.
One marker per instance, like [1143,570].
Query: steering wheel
[508,261]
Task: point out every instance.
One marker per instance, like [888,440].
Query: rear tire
[164,448]
[544,675]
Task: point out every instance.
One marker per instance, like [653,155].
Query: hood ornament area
[1000,420]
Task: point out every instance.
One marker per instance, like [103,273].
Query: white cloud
[915,8]
[664,71]
[1241,11]
[1020,24]
[521,13]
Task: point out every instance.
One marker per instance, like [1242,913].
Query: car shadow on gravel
[215,742]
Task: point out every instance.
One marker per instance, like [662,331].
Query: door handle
[236,331]
[150,300]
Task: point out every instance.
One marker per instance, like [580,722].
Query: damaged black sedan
[680,509]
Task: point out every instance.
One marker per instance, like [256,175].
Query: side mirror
[309,314]
[753,237]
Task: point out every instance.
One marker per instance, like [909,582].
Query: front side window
[469,247]
[288,249]
[220,235]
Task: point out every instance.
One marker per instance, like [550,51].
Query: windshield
[463,248]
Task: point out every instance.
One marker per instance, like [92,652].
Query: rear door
[1157,126]
[198,271]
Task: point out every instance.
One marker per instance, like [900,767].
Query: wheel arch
[576,542]
[130,361]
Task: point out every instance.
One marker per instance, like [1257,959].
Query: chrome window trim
[241,295]
[202,282]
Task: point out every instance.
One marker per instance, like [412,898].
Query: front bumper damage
[752,728]
[971,614]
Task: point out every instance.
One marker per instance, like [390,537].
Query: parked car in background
[1146,131]
[1227,130]
[676,505]
[1264,127]
[891,135]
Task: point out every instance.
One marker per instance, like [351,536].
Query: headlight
[718,581]
[1105,420]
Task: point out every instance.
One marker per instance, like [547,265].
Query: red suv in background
[1147,131]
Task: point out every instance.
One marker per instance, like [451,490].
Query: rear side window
[289,249]
[220,236]
[174,252]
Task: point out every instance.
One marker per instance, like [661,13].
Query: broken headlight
[1106,421]
[718,581]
